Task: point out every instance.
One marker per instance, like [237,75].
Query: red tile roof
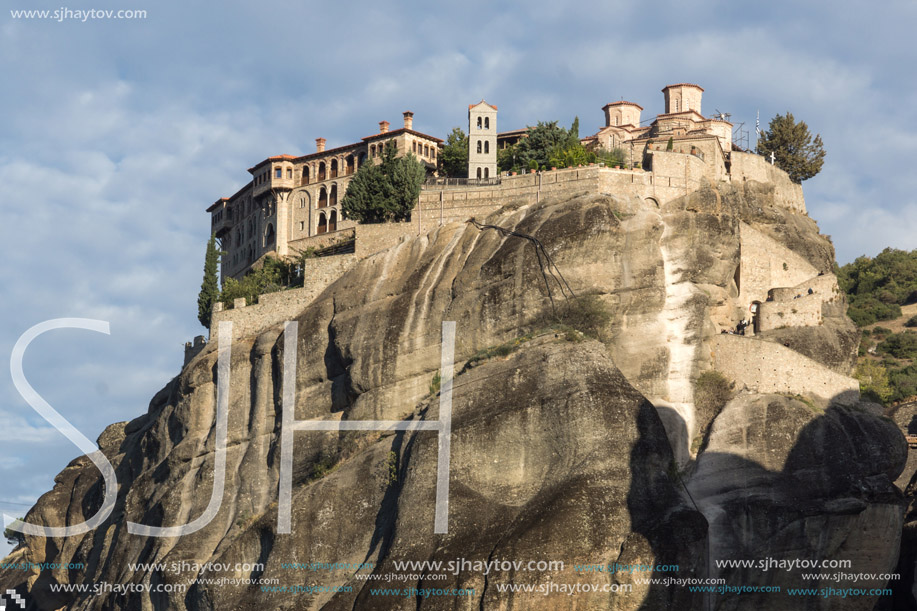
[470,106]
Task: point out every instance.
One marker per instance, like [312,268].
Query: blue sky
[117,134]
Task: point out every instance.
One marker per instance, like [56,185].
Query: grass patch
[322,467]
[435,383]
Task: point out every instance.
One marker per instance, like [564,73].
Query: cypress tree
[210,287]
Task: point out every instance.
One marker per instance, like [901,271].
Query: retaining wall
[276,308]
[764,367]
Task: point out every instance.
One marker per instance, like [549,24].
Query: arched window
[426,150]
[372,150]
[479,172]
[486,172]
[479,122]
[305,175]
[333,221]
[486,146]
[334,168]
[333,199]
[322,223]
[350,162]
[322,198]
[486,122]
[414,147]
[269,235]
[479,146]
[321,171]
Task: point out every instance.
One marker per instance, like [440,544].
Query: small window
[278,172]
[479,172]
[415,147]
[486,147]
[479,122]
[302,225]
[486,122]
[486,172]
[479,147]
[289,172]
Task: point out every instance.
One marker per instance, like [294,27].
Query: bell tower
[482,140]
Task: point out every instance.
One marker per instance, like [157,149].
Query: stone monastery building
[292,200]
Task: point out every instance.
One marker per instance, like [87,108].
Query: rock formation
[589,451]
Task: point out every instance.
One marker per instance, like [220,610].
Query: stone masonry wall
[765,264]
[765,367]
[802,312]
[373,238]
[275,308]
[749,166]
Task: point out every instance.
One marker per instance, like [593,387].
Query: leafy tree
[794,149]
[900,345]
[877,287]
[541,142]
[386,191]
[506,159]
[874,382]
[14,537]
[210,286]
[454,158]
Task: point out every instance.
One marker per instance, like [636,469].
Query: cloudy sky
[117,134]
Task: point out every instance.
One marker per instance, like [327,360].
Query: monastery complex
[291,200]
[293,203]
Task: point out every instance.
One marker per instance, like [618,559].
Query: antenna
[722,116]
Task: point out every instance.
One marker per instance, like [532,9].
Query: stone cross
[772,157]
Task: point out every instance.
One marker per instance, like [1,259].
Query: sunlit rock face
[582,450]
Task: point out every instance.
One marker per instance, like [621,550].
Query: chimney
[383,127]
[319,145]
[408,119]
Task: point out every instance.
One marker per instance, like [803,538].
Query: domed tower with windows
[482,140]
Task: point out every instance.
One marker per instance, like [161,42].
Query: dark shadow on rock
[833,498]
[662,516]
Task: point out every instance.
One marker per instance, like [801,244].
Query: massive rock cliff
[586,450]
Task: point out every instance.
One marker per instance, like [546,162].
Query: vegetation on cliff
[210,286]
[794,149]
[877,290]
[453,161]
[386,191]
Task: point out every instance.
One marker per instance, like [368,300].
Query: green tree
[795,150]
[541,143]
[14,537]
[386,191]
[454,158]
[210,286]
[873,378]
